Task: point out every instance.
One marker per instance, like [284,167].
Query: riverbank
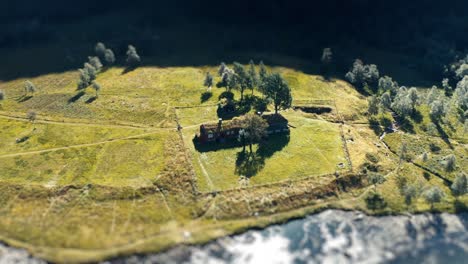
[330,236]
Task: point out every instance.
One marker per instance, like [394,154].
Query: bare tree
[29,88]
[32,116]
[96,88]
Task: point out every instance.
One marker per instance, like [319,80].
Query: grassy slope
[142,194]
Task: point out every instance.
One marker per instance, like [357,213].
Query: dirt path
[46,121]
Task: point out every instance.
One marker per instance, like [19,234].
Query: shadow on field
[249,164]
[76,97]
[205,96]
[128,69]
[91,99]
[24,98]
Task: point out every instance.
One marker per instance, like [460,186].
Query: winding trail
[78,123]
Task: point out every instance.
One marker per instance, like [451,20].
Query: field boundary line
[63,122]
[187,154]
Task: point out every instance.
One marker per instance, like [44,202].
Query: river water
[332,236]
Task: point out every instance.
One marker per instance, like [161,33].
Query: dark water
[329,237]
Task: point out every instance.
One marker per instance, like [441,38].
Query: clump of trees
[363,75]
[91,68]
[87,75]
[274,88]
[95,62]
[105,53]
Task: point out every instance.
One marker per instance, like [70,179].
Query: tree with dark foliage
[277,90]
[109,56]
[208,81]
[133,59]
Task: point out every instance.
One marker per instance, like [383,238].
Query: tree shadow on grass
[442,133]
[91,99]
[417,116]
[406,125]
[375,126]
[250,164]
[76,97]
[273,144]
[460,206]
[24,98]
[205,96]
[128,69]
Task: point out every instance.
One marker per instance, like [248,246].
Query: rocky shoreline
[332,236]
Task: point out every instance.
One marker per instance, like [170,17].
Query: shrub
[372,157]
[434,195]
[133,59]
[460,185]
[450,163]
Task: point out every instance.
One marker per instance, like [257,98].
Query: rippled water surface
[330,237]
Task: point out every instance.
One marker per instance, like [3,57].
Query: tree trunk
[243,145]
[276,109]
[250,147]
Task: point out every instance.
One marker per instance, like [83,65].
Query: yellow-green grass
[409,174]
[48,135]
[450,127]
[436,148]
[81,197]
[132,162]
[314,147]
[194,116]
[77,221]
[147,95]
[351,105]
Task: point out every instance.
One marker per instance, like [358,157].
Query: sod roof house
[224,130]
